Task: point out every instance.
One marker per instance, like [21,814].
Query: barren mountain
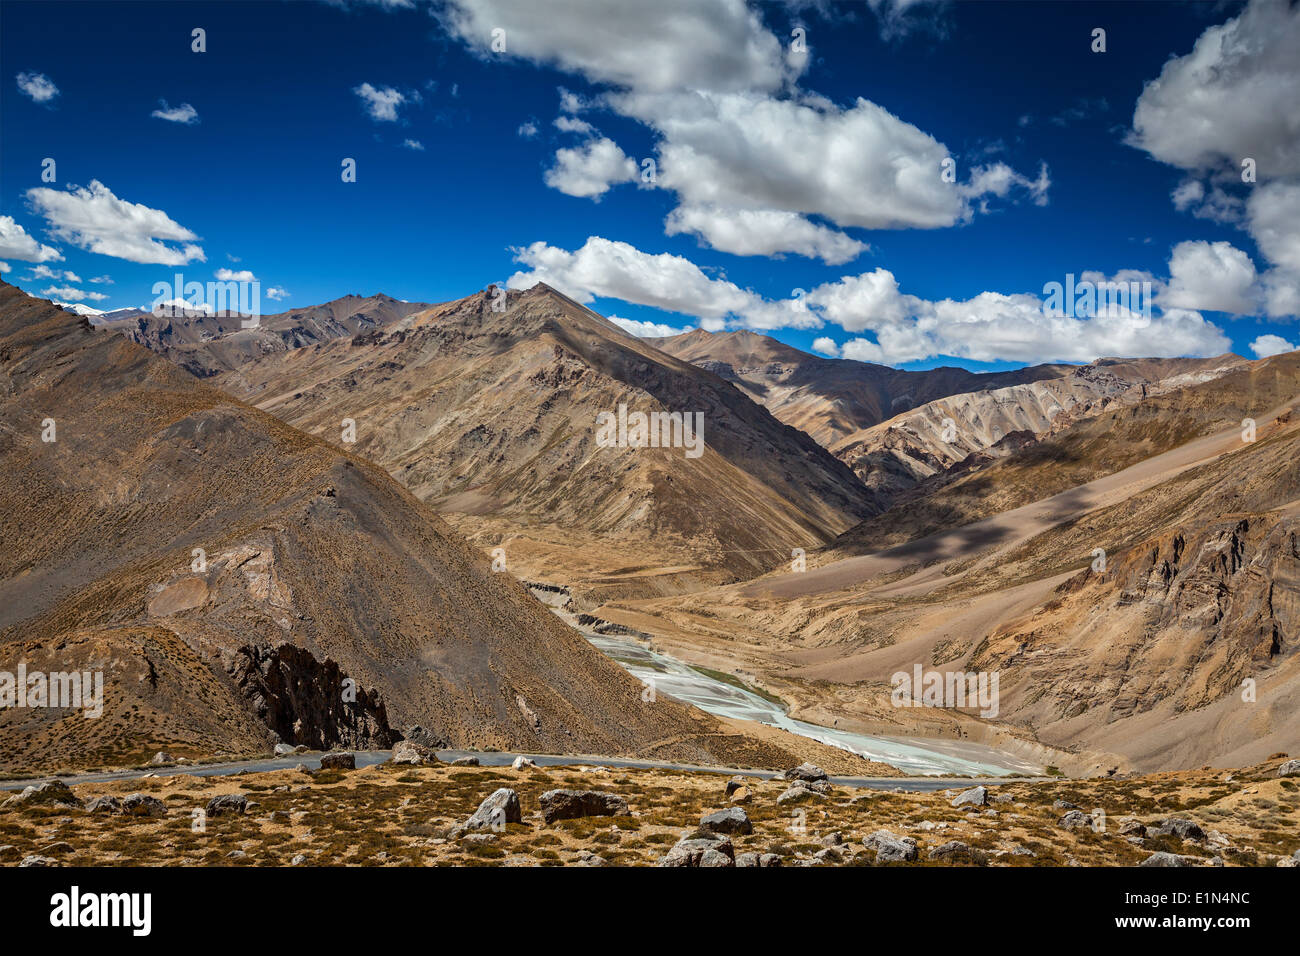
[493,416]
[210,343]
[960,433]
[830,399]
[231,577]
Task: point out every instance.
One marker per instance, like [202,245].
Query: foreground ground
[397,815]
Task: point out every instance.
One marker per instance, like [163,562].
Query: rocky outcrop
[309,702]
[569,804]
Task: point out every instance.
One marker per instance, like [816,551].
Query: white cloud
[5,267]
[826,346]
[184,114]
[763,232]
[1231,98]
[735,135]
[275,293]
[243,275]
[1267,345]
[860,302]
[15,243]
[1216,204]
[591,169]
[571,124]
[645,329]
[619,271]
[414,144]
[670,44]
[70,294]
[102,280]
[38,86]
[94,219]
[528,130]
[381,104]
[1213,276]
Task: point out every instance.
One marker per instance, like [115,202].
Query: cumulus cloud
[184,114]
[826,346]
[94,219]
[413,144]
[1267,345]
[527,130]
[228,275]
[571,124]
[38,86]
[893,327]
[1232,97]
[15,243]
[643,330]
[1214,276]
[5,267]
[591,169]
[69,294]
[380,103]
[736,136]
[275,293]
[763,232]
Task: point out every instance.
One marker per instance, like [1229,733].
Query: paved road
[367,758]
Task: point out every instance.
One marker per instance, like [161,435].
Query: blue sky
[783,171]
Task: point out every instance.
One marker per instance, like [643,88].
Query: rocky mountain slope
[493,416]
[235,579]
[209,343]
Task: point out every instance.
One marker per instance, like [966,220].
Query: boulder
[338,761]
[1289,769]
[890,847]
[496,811]
[569,804]
[740,795]
[227,803]
[51,793]
[142,805]
[1133,828]
[522,763]
[1075,819]
[955,851]
[1167,859]
[104,805]
[974,797]
[805,771]
[412,753]
[731,820]
[161,759]
[35,860]
[1180,827]
[283,750]
[702,850]
[465,762]
[734,784]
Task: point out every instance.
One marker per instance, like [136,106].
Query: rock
[704,850]
[1065,805]
[104,805]
[769,859]
[298,860]
[161,759]
[975,797]
[1132,828]
[338,761]
[889,847]
[35,860]
[1001,798]
[1167,859]
[142,805]
[496,811]
[1074,819]
[425,738]
[830,854]
[569,804]
[57,849]
[955,851]
[522,763]
[587,858]
[8,852]
[806,771]
[465,762]
[804,788]
[1180,827]
[734,784]
[747,859]
[740,795]
[227,803]
[412,753]
[236,855]
[51,793]
[282,750]
[731,820]
[1018,850]
[1289,769]
[832,839]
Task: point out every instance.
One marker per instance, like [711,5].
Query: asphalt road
[367,758]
